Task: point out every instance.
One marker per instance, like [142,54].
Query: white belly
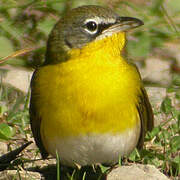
[92,149]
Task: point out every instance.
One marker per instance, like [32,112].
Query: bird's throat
[109,46]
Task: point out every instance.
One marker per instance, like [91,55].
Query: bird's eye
[91,26]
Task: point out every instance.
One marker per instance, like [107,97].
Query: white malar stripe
[93,149]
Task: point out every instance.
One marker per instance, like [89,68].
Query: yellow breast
[90,93]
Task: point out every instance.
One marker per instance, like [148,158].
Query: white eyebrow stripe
[99,20]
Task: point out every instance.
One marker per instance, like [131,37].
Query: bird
[88,103]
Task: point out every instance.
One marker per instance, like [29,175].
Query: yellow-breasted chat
[88,103]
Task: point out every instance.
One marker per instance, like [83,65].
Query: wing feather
[146,116]
[35,120]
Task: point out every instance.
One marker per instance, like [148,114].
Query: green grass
[163,143]
[14,116]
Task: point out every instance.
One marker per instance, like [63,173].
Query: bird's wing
[146,116]
[35,120]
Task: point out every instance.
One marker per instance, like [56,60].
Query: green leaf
[134,156]
[175,143]
[166,105]
[176,79]
[153,133]
[176,159]
[103,168]
[3,109]
[6,132]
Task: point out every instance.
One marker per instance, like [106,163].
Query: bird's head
[82,27]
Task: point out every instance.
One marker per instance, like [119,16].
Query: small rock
[3,148]
[157,71]
[174,49]
[136,172]
[19,175]
[17,77]
[156,96]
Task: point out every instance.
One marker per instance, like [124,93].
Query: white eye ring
[91,26]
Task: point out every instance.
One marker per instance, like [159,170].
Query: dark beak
[123,24]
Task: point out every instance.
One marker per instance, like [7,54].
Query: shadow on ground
[50,173]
